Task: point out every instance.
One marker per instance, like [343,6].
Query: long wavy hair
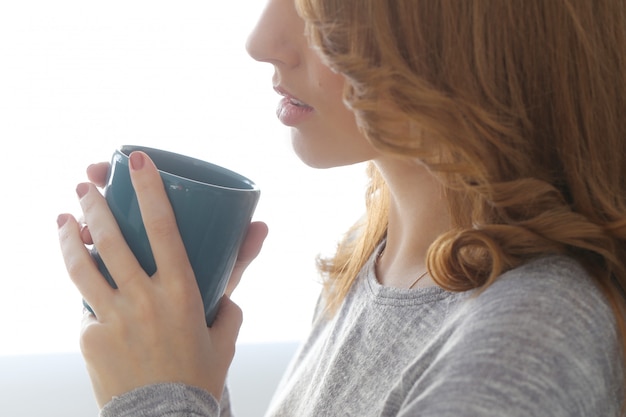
[518,106]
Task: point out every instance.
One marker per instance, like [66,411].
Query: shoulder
[550,306]
[551,297]
[541,340]
[551,285]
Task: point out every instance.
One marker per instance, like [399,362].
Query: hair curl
[518,106]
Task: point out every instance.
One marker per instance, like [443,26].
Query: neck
[418,214]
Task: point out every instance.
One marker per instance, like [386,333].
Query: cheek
[332,85]
[332,108]
[331,137]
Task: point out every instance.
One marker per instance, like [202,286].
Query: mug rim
[250,186]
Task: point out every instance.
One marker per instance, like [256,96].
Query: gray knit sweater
[539,342]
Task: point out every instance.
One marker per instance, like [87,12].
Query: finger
[79,264]
[107,237]
[250,249]
[90,337]
[159,220]
[98,173]
[86,235]
[223,335]
[84,232]
[227,324]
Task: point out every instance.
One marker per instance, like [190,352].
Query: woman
[487,277]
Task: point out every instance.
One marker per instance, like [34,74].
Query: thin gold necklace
[380,255]
[418,279]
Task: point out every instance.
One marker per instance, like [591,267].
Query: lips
[292,99]
[291,111]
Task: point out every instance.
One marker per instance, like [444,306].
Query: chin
[324,154]
[309,155]
[325,162]
[316,163]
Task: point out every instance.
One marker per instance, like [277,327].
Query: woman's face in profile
[324,132]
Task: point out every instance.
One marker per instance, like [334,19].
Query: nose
[278,35]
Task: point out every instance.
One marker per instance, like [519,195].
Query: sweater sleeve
[544,348]
[166,400]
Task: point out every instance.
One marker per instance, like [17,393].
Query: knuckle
[178,290]
[105,241]
[145,310]
[76,267]
[161,226]
[184,292]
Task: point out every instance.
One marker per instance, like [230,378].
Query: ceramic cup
[213,208]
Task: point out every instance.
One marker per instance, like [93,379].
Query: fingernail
[81,189]
[62,219]
[136,160]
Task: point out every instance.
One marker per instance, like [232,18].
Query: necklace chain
[380,255]
[418,279]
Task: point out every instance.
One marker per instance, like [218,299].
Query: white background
[78,79]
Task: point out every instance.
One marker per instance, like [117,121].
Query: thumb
[223,337]
[225,328]
[250,249]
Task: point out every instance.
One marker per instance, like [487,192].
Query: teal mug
[213,207]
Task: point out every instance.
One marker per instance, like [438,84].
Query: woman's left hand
[150,329]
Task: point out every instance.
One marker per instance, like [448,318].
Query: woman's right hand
[257,231]
[148,330]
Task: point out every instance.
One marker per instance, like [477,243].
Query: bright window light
[78,79]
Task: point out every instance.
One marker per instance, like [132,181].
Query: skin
[152,329]
[330,137]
